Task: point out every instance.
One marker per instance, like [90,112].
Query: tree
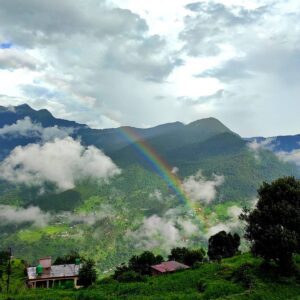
[194,256]
[222,245]
[186,256]
[273,227]
[5,267]
[178,254]
[87,273]
[142,263]
[68,259]
[120,270]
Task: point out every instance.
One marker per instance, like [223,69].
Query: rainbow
[162,168]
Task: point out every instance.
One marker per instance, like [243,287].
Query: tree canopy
[273,227]
[187,256]
[222,245]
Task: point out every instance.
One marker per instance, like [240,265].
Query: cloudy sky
[136,62]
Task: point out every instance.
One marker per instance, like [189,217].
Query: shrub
[107,280]
[220,290]
[130,276]
[244,276]
[201,286]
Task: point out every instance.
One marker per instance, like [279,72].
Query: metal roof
[55,271]
[169,266]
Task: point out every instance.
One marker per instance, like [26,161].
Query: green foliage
[17,275]
[130,276]
[87,273]
[208,282]
[219,289]
[273,227]
[125,201]
[65,201]
[142,263]
[222,245]
[187,256]
[70,258]
[244,276]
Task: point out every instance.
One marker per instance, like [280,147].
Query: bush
[220,290]
[201,286]
[130,276]
[244,276]
[107,280]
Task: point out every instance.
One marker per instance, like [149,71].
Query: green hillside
[96,218]
[236,278]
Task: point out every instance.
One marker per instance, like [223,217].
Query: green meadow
[238,278]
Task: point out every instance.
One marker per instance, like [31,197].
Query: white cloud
[62,162]
[156,195]
[234,224]
[26,128]
[257,145]
[81,50]
[291,157]
[164,232]
[90,218]
[269,144]
[11,59]
[200,189]
[14,215]
[174,170]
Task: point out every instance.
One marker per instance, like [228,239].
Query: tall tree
[222,245]
[87,273]
[273,227]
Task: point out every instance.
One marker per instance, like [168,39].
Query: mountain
[111,140]
[10,115]
[279,143]
[111,220]
[170,144]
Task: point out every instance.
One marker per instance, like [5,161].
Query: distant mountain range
[286,143]
[165,137]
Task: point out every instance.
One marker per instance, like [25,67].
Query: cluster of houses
[46,275]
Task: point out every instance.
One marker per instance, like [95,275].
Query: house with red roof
[168,267]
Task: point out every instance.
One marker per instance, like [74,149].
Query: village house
[46,275]
[168,267]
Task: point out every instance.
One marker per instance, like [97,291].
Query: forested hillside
[109,217]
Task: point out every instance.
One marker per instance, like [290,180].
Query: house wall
[51,282]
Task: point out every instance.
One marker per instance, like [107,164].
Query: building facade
[46,275]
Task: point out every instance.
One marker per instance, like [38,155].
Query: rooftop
[169,266]
[55,272]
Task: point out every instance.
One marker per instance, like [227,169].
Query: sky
[109,63]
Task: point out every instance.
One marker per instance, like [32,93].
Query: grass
[34,235]
[209,281]
[30,236]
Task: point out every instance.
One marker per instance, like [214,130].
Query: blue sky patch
[6,45]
